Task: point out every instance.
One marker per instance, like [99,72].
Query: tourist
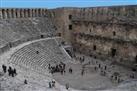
[25,81]
[105,68]
[70,70]
[99,66]
[82,72]
[14,72]
[49,67]
[50,86]
[4,68]
[37,52]
[95,68]
[53,83]
[10,71]
[67,86]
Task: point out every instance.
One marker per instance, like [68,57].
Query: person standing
[67,86]
[10,71]
[4,68]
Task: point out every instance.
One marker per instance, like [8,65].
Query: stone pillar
[123,11]
[22,13]
[5,13]
[30,11]
[14,13]
[9,12]
[18,13]
[45,12]
[26,11]
[0,13]
[40,12]
[33,13]
[36,13]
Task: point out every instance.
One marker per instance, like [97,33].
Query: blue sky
[63,3]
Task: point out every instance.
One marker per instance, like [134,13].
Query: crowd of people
[98,67]
[52,84]
[11,71]
[57,68]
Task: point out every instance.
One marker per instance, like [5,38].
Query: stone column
[30,11]
[33,13]
[14,13]
[40,12]
[0,13]
[45,12]
[18,13]
[9,12]
[26,11]
[22,13]
[36,12]
[5,13]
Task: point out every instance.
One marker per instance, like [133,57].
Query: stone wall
[22,13]
[105,28]
[98,14]
[100,37]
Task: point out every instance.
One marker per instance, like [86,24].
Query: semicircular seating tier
[39,55]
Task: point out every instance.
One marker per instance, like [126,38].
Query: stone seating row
[48,53]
